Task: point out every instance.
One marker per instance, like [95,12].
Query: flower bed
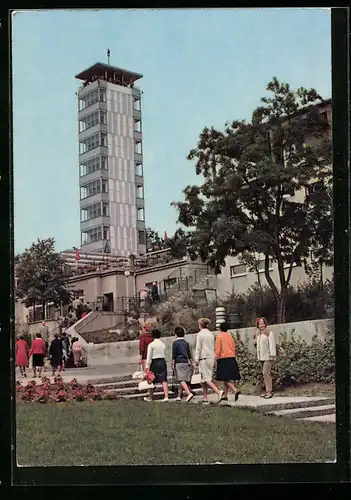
[60,392]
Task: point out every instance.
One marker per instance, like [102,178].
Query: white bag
[139,374]
[144,385]
[195,379]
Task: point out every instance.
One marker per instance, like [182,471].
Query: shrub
[305,302]
[296,362]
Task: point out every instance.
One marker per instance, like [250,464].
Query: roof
[101,68]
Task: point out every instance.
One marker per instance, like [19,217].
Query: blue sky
[200,67]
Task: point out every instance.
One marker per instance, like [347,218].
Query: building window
[261,266]
[91,235]
[137,104]
[141,214]
[105,211]
[99,116]
[90,212]
[238,270]
[91,188]
[92,165]
[138,148]
[139,169]
[140,192]
[102,94]
[106,233]
[137,125]
[141,238]
[104,185]
[88,99]
[92,142]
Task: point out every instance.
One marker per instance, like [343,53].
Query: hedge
[296,362]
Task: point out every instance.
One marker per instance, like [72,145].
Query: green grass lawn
[125,433]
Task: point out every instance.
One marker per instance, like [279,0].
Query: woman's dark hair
[156,334]
[224,327]
[179,331]
[38,335]
[21,337]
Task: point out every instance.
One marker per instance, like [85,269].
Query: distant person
[266,354]
[44,330]
[204,359]
[144,340]
[227,370]
[65,349]
[77,349]
[181,363]
[144,293]
[22,355]
[37,352]
[55,353]
[154,293]
[156,363]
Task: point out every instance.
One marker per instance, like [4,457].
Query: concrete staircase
[299,408]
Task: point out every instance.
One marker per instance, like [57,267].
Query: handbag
[138,374]
[149,376]
[144,385]
[174,387]
[195,378]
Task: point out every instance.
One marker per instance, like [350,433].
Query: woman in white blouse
[156,363]
[266,354]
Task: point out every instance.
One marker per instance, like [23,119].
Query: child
[181,363]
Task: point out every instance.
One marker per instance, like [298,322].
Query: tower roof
[99,69]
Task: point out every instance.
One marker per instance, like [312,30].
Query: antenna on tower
[108,56]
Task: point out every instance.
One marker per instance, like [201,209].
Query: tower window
[139,169]
[137,125]
[141,214]
[141,238]
[140,192]
[138,147]
[93,165]
[137,104]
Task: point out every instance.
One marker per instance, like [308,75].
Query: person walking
[44,331]
[227,370]
[154,293]
[77,349]
[144,293]
[65,349]
[156,363]
[181,363]
[22,355]
[266,354]
[55,353]
[204,359]
[38,351]
[144,341]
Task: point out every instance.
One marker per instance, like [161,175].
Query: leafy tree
[255,195]
[42,275]
[154,240]
[177,244]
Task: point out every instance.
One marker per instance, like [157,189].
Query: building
[111,181]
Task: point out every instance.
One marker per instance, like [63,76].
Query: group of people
[149,294]
[59,352]
[213,356]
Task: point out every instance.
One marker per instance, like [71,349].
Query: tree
[177,244]
[42,275]
[251,173]
[154,241]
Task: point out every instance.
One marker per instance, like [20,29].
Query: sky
[201,68]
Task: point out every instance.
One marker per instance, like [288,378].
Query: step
[311,411]
[321,418]
[273,407]
[157,396]
[131,392]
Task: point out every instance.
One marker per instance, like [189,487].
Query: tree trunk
[281,306]
[261,289]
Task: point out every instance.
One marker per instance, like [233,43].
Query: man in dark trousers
[154,293]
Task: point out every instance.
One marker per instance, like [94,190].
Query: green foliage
[250,175]
[154,241]
[296,362]
[305,302]
[42,275]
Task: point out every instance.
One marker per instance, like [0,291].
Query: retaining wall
[125,353]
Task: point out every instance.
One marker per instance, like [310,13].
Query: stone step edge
[298,413]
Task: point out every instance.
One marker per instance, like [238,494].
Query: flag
[77,254]
[165,236]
